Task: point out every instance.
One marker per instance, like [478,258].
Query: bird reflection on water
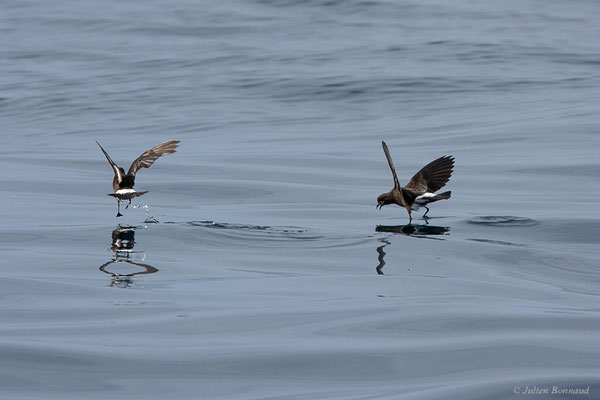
[122,244]
[414,230]
[381,256]
[420,231]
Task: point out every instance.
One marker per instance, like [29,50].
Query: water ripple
[499,242]
[232,234]
[496,220]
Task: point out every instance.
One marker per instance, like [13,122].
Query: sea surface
[257,266]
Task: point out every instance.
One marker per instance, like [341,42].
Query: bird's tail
[442,196]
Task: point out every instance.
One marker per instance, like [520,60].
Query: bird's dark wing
[391,164]
[114,166]
[408,195]
[433,176]
[149,156]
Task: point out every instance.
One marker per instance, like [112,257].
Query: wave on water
[498,242]
[291,230]
[494,220]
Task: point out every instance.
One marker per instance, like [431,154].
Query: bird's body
[123,182]
[420,191]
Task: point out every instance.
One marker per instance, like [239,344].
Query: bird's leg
[119,208]
[128,204]
[425,215]
[409,218]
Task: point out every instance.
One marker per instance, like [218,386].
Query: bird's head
[384,199]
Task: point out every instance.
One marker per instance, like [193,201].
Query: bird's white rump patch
[125,191]
[424,198]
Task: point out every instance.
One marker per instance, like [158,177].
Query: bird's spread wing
[433,176]
[149,156]
[112,164]
[390,162]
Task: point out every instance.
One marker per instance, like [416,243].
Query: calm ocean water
[257,266]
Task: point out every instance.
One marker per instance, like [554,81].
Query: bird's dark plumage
[150,156]
[123,182]
[421,189]
[432,177]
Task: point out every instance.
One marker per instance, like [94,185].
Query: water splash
[149,218]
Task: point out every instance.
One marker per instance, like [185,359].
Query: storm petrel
[421,189]
[123,183]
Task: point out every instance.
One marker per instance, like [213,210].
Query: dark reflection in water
[414,230]
[420,231]
[122,244]
[381,255]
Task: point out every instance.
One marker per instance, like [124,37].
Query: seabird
[123,183]
[421,189]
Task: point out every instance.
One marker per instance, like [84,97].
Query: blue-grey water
[257,266]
